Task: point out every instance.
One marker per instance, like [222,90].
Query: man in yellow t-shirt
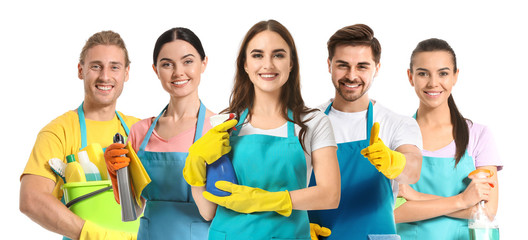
[103,66]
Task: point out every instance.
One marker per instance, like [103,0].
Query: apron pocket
[143,233]
[383,237]
[199,230]
[216,235]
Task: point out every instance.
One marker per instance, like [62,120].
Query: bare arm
[421,206]
[327,192]
[207,209]
[39,204]
[413,166]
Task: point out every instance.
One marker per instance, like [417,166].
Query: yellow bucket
[100,208]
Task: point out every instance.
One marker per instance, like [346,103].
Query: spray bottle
[480,226]
[222,169]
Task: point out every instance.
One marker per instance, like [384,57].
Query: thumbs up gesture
[390,163]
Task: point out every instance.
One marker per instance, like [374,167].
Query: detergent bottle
[481,227]
[90,170]
[73,172]
[222,169]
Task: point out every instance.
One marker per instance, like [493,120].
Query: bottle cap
[70,158]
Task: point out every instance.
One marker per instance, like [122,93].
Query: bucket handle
[88,195]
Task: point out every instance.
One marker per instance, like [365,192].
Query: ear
[456,77]
[245,67]
[377,70]
[329,65]
[204,64]
[79,71]
[155,69]
[127,69]
[409,75]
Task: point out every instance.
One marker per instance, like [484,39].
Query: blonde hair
[104,38]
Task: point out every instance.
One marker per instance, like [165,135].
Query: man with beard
[369,164]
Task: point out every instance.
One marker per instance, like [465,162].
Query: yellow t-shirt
[62,137]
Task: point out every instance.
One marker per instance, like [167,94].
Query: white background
[41,42]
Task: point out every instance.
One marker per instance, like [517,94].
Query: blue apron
[440,177]
[366,201]
[273,164]
[170,211]
[84,141]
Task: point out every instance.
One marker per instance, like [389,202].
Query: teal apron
[366,201]
[84,141]
[440,177]
[170,211]
[273,164]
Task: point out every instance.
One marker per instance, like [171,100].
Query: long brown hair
[460,125]
[243,93]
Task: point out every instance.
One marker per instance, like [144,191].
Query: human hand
[390,163]
[208,149]
[316,230]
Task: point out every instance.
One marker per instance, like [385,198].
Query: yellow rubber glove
[316,230]
[390,163]
[245,199]
[91,231]
[209,148]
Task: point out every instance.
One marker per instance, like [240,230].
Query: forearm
[37,202]
[413,165]
[207,209]
[326,194]
[412,211]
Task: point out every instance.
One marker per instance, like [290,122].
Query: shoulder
[142,125]
[325,105]
[65,121]
[387,116]
[129,120]
[314,117]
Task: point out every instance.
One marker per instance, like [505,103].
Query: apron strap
[82,123]
[240,122]
[291,125]
[197,135]
[370,118]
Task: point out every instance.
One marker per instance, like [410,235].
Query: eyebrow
[111,62]
[274,51]
[345,62]
[441,69]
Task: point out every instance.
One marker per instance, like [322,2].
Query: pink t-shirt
[481,147]
[179,143]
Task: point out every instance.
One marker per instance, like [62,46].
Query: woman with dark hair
[439,204]
[276,142]
[162,142]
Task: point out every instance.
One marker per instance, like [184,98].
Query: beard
[351,95]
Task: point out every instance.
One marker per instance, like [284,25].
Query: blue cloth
[366,194]
[273,164]
[170,211]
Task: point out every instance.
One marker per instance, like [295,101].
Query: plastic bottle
[90,170]
[73,172]
[222,169]
[480,226]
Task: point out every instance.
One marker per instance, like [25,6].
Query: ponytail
[460,130]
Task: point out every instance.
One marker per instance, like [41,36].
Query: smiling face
[179,68]
[433,77]
[104,74]
[353,70]
[268,62]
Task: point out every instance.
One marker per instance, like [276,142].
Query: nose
[352,74]
[104,74]
[433,81]
[178,71]
[268,63]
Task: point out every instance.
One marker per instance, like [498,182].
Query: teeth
[267,75]
[352,86]
[433,94]
[180,82]
[104,88]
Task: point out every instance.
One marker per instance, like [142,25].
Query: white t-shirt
[318,135]
[395,129]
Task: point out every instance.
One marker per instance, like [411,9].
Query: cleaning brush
[58,167]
